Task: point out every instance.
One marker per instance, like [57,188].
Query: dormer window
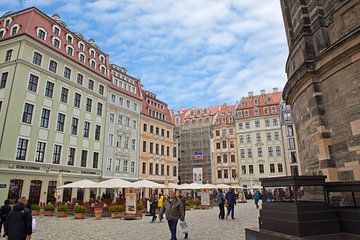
[82,57]
[2,33]
[56,42]
[92,63]
[15,29]
[102,69]
[92,52]
[41,33]
[81,46]
[256,102]
[56,30]
[69,50]
[269,100]
[256,112]
[102,59]
[8,21]
[69,38]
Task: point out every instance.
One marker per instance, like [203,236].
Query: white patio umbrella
[255,187]
[81,184]
[237,186]
[147,184]
[195,186]
[208,186]
[173,186]
[222,186]
[183,186]
[115,183]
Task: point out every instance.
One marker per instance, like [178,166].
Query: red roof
[224,114]
[136,83]
[31,19]
[151,103]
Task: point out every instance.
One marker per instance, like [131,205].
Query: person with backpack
[220,199]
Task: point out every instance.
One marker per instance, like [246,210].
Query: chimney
[262,92]
[250,94]
[275,90]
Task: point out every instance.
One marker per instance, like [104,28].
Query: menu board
[205,198]
[131,203]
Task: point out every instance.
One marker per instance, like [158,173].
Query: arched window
[92,52]
[56,42]
[41,33]
[7,21]
[102,69]
[69,38]
[2,32]
[15,29]
[82,57]
[15,190]
[92,63]
[81,45]
[56,30]
[102,59]
[69,50]
[35,191]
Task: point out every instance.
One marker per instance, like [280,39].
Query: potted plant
[188,205]
[62,211]
[139,208]
[79,212]
[117,211]
[196,203]
[49,210]
[35,209]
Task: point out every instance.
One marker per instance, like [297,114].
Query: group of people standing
[228,200]
[17,221]
[173,206]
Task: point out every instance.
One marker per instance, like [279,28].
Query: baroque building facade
[259,137]
[323,85]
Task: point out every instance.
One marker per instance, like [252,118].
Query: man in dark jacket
[153,205]
[4,212]
[220,199]
[231,200]
[174,210]
[18,225]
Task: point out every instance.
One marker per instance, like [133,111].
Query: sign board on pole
[205,198]
[131,203]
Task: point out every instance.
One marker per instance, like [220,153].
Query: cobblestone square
[203,224]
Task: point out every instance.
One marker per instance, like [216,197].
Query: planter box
[79,215]
[49,213]
[132,216]
[117,215]
[139,212]
[35,212]
[62,214]
[187,208]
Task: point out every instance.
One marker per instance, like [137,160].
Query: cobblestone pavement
[203,224]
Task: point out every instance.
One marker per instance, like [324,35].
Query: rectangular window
[162,132]
[275,122]
[134,124]
[111,138]
[71,159]
[151,168]
[49,90]
[3,79]
[83,158]
[60,122]
[232,157]
[91,84]
[267,122]
[79,79]
[87,129]
[64,95]
[289,131]
[156,169]
[270,151]
[242,153]
[8,55]
[174,171]
[99,109]
[291,144]
[278,150]
[272,168]
[151,148]
[132,167]
[268,136]
[162,169]
[145,127]
[45,116]
[40,152]
[1,102]
[77,100]
[219,174]
[233,173]
[225,158]
[144,168]
[37,58]
[121,101]
[52,66]
[57,154]
[126,142]
[21,149]
[260,152]
[240,125]
[111,117]
[157,149]
[224,144]
[108,164]
[241,138]
[217,133]
[248,138]
[128,103]
[162,150]
[226,173]
[74,125]
[133,144]
[117,165]
[144,146]
[261,168]
[125,166]
[67,73]
[88,104]
[218,159]
[157,131]
[33,83]
[174,152]
[247,124]
[28,112]
[280,168]
[276,136]
[97,132]
[167,151]
[257,123]
[251,169]
[218,146]
[249,152]
[151,129]
[167,170]
[258,137]
[135,107]
[95,160]
[168,134]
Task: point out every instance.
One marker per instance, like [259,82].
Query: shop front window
[35,191]
[15,190]
[51,192]
[67,193]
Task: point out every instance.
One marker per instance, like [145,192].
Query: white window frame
[42,29]
[56,26]
[81,43]
[102,57]
[69,46]
[101,67]
[12,27]
[3,30]
[8,18]
[80,53]
[69,35]
[53,41]
[92,50]
[92,60]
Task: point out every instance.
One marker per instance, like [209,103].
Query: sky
[188,52]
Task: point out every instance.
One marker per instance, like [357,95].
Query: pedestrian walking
[183,224]
[220,199]
[153,205]
[257,198]
[4,212]
[18,225]
[231,201]
[160,204]
[174,210]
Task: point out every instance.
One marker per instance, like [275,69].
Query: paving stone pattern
[203,224]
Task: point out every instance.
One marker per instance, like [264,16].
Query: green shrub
[49,207]
[117,208]
[79,209]
[62,208]
[195,202]
[35,207]
[139,205]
